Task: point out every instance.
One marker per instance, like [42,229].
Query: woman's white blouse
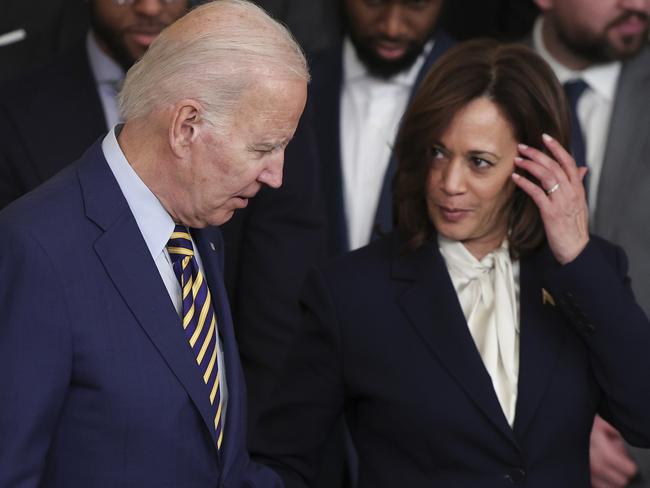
[488,292]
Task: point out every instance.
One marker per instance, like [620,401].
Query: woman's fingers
[563,157]
[582,172]
[560,164]
[533,190]
[560,197]
[547,179]
[541,166]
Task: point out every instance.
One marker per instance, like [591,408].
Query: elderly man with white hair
[120,366]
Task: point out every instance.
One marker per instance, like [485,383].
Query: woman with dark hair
[473,346]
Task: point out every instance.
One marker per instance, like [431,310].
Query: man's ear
[184,126]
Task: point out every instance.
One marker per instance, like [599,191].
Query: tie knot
[179,245]
[574,90]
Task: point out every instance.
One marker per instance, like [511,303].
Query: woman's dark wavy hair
[528,95]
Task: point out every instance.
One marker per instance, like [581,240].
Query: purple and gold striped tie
[199,319]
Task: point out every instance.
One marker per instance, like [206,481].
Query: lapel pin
[212,246]
[547,298]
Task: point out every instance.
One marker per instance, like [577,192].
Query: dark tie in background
[574,90]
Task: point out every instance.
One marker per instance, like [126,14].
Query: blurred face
[389,34]
[598,31]
[125,31]
[469,186]
[228,169]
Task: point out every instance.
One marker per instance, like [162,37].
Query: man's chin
[221,218]
[628,46]
[385,62]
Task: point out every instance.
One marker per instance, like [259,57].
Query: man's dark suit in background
[370,29]
[40,29]
[47,120]
[316,23]
[325,93]
[507,20]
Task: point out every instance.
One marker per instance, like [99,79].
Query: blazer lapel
[432,307]
[542,335]
[128,262]
[210,246]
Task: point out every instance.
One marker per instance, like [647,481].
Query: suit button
[515,477]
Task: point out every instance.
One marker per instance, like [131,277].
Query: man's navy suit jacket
[325,96]
[385,342]
[49,118]
[100,387]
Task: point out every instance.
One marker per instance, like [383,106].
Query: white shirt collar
[354,69]
[464,258]
[155,224]
[601,78]
[105,69]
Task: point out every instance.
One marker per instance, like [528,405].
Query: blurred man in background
[359,91]
[599,50]
[74,93]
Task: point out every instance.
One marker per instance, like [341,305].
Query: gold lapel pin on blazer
[547,298]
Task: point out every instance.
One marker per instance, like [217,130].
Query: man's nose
[391,21]
[272,174]
[149,8]
[636,5]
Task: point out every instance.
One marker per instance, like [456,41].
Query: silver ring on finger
[552,189]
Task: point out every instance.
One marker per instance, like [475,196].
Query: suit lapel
[542,335]
[127,260]
[384,213]
[441,46]
[432,307]
[626,152]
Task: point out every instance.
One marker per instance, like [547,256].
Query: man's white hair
[211,55]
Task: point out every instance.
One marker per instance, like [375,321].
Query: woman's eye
[436,153]
[481,163]
[418,4]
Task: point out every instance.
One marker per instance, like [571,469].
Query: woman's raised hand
[561,197]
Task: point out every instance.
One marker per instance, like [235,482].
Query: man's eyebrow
[274,144]
[266,145]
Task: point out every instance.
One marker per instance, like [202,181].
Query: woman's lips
[453,214]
